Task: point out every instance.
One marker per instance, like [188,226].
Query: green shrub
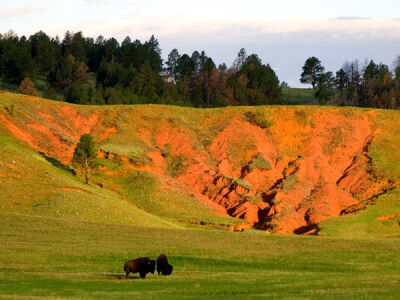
[290,183]
[243,183]
[259,162]
[259,119]
[10,109]
[238,151]
[27,87]
[254,199]
[175,165]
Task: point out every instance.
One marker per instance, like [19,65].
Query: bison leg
[127,275]
[142,275]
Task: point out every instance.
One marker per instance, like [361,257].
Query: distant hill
[299,96]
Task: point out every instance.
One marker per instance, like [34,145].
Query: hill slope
[281,169]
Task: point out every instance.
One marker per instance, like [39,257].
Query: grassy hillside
[34,184]
[383,217]
[62,194]
[150,147]
[165,172]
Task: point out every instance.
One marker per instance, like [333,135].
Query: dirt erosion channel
[279,169]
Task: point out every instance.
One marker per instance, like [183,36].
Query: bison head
[152,266]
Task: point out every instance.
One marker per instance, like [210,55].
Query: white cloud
[19,12]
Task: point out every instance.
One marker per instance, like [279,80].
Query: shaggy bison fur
[163,266]
[142,265]
[167,270]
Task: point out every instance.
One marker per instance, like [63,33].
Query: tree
[154,55]
[312,70]
[76,93]
[284,85]
[64,73]
[371,71]
[16,62]
[262,83]
[396,67]
[240,59]
[184,67]
[325,86]
[81,73]
[172,63]
[353,72]
[44,51]
[27,87]
[85,155]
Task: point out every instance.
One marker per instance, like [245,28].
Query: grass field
[57,259]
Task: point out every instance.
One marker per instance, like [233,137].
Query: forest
[84,70]
[102,71]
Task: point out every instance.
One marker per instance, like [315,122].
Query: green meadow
[59,259]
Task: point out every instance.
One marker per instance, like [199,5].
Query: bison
[163,266]
[141,265]
[167,270]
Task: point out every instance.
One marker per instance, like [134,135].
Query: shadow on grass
[113,276]
[56,163]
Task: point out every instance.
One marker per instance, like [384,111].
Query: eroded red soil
[286,178]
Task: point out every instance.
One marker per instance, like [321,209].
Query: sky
[283,33]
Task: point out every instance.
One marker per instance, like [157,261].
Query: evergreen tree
[172,64]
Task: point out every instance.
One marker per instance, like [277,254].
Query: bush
[259,119]
[255,199]
[10,110]
[220,102]
[76,93]
[259,162]
[51,93]
[243,183]
[27,87]
[175,164]
[290,182]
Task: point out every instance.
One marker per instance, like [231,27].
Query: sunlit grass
[47,257]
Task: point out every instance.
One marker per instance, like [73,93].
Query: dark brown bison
[167,270]
[163,266]
[142,265]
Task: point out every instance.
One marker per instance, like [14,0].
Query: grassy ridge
[52,258]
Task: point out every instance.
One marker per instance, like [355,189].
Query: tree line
[84,70]
[355,84]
